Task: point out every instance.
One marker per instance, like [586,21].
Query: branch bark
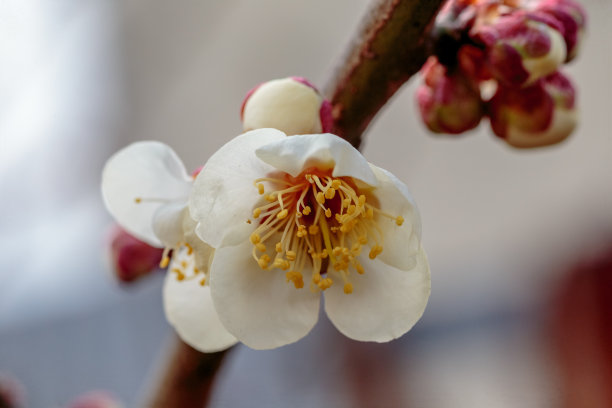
[389,49]
[187,378]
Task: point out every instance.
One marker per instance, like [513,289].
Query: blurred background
[521,306]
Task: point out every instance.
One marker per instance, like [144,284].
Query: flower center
[316,219]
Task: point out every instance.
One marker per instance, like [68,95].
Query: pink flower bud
[522,47]
[95,399]
[292,105]
[12,394]
[132,258]
[449,103]
[572,18]
[537,115]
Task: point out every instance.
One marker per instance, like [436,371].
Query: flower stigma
[316,220]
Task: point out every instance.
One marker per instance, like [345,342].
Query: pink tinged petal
[449,103]
[150,171]
[168,223]
[223,195]
[325,151]
[258,306]
[539,115]
[132,258]
[402,243]
[386,302]
[190,310]
[523,47]
[286,104]
[572,17]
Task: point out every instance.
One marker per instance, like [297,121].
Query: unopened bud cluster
[501,59]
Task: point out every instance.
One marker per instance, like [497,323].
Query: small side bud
[292,105]
[449,103]
[12,393]
[523,47]
[535,116]
[95,399]
[132,259]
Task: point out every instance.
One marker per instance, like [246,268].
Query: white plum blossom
[146,188]
[293,217]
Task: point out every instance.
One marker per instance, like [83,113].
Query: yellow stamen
[348,288]
[282,214]
[256,212]
[399,220]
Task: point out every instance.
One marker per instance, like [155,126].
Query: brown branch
[389,49]
[187,378]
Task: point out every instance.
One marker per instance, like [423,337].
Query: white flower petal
[190,310]
[401,243]
[148,170]
[259,307]
[168,223]
[325,151]
[386,302]
[223,194]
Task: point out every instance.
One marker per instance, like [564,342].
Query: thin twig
[187,378]
[389,49]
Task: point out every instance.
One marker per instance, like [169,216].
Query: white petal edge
[190,310]
[147,170]
[324,151]
[386,302]
[401,243]
[223,195]
[168,223]
[259,307]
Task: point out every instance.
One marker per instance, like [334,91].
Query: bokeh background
[503,228]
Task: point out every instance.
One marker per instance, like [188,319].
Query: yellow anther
[330,193]
[255,238]
[320,197]
[346,202]
[399,220]
[375,251]
[363,239]
[362,200]
[306,210]
[260,188]
[282,214]
[336,184]
[179,274]
[263,261]
[325,283]
[279,247]
[164,262]
[370,213]
[291,255]
[328,213]
[359,268]
[348,288]
[316,278]
[296,278]
[351,209]
[323,254]
[189,249]
[340,266]
[313,229]
[337,251]
[256,212]
[338,217]
[248,221]
[301,232]
[196,270]
[203,281]
[270,197]
[260,247]
[138,200]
